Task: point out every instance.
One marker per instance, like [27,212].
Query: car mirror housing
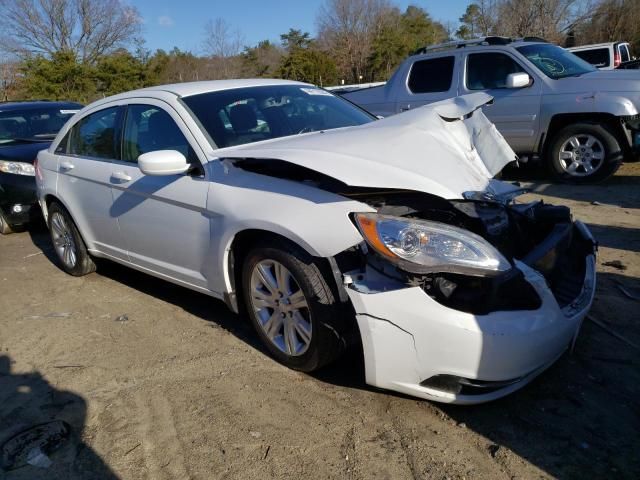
[163,162]
[518,80]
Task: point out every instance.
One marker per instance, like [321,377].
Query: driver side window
[147,129]
[486,71]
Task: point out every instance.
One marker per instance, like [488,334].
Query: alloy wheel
[581,155]
[63,240]
[281,307]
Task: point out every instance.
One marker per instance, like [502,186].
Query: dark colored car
[25,129]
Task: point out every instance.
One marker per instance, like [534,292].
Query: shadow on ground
[27,400]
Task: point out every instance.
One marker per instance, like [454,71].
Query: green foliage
[309,65]
[399,36]
[469,23]
[59,78]
[262,60]
[120,72]
[304,61]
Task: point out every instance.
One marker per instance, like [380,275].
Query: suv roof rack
[490,40]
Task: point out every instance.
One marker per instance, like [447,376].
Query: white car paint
[181,228]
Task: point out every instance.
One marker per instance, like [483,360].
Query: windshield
[246,115]
[34,124]
[555,62]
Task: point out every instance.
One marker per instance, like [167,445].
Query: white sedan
[327,227]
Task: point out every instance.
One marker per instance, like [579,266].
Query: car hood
[22,152]
[445,148]
[602,81]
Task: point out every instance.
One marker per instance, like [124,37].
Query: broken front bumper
[415,345]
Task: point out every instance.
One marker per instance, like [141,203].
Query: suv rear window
[598,57]
[433,75]
[624,53]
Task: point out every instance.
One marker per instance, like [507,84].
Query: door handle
[65,166]
[404,109]
[120,177]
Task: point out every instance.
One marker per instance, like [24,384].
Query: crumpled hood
[445,148]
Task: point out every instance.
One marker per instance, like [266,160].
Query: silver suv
[548,103]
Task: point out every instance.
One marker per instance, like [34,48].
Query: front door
[162,218]
[515,111]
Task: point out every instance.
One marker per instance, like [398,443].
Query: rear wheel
[291,306]
[67,242]
[584,153]
[5,228]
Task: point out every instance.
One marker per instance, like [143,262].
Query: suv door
[84,178]
[162,218]
[515,111]
[430,80]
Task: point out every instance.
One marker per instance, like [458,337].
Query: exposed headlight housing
[422,246]
[17,168]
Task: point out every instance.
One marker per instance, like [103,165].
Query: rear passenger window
[433,75]
[148,129]
[487,71]
[94,135]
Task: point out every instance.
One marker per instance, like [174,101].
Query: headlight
[17,168]
[422,246]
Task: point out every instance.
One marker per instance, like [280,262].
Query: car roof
[32,105]
[187,89]
[595,45]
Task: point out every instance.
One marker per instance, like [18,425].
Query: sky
[169,23]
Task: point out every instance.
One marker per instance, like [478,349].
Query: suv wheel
[5,228]
[584,153]
[291,306]
[67,242]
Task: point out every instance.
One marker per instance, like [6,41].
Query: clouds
[165,21]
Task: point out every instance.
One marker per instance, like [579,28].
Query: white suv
[327,226]
[604,56]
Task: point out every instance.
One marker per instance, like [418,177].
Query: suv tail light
[616,59]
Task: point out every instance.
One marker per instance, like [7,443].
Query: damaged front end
[543,237]
[481,327]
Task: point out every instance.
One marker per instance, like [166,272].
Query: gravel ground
[159,382]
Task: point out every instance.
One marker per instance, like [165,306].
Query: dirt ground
[180,388]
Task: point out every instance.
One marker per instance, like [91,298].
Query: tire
[67,242]
[5,228]
[596,148]
[323,319]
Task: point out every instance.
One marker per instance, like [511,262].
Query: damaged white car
[329,227]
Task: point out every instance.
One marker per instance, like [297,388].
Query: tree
[304,61]
[477,20]
[120,72]
[87,29]
[223,45]
[347,28]
[60,77]
[612,20]
[263,60]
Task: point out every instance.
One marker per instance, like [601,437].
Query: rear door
[84,180]
[162,218]
[515,111]
[429,80]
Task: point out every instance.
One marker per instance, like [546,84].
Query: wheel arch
[562,120]
[240,244]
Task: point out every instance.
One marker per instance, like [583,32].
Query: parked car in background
[604,56]
[548,103]
[328,227]
[25,129]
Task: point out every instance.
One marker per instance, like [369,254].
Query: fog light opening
[17,208]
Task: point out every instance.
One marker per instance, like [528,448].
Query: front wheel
[67,242]
[584,153]
[291,306]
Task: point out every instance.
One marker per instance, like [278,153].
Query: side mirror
[162,162]
[518,80]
